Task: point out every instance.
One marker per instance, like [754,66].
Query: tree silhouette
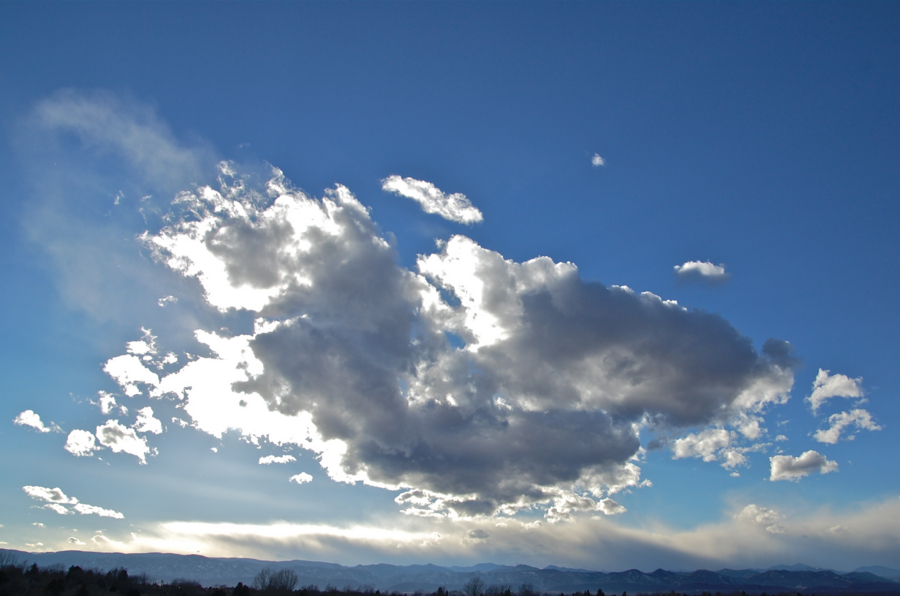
[474,587]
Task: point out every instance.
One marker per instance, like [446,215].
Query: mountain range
[211,571]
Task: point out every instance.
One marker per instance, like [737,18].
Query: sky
[598,285]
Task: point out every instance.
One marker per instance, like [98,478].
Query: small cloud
[705,445]
[610,507]
[478,534]
[281,459]
[122,439]
[455,207]
[29,418]
[76,541]
[146,423]
[597,161]
[301,478]
[128,370]
[37,524]
[167,300]
[762,516]
[827,386]
[702,271]
[781,438]
[785,467]
[50,495]
[214,449]
[107,403]
[85,509]
[859,417]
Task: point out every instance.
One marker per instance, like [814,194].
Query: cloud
[81,443]
[741,537]
[702,271]
[455,207]
[351,357]
[785,467]
[146,423]
[827,386]
[272,459]
[51,495]
[29,418]
[86,509]
[719,444]
[860,418]
[705,445]
[597,161]
[107,403]
[57,500]
[122,440]
[128,371]
[301,478]
[767,518]
[75,541]
[86,154]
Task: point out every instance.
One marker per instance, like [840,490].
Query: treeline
[21,579]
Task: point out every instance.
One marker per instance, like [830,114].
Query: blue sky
[604,285]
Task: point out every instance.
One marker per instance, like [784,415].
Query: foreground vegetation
[20,579]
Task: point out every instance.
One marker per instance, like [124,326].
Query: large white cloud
[827,386]
[358,359]
[455,207]
[786,467]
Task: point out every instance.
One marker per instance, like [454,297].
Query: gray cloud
[357,358]
[542,405]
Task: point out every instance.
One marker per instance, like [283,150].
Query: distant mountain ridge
[211,571]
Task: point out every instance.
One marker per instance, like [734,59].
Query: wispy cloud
[57,501]
[858,417]
[597,161]
[756,535]
[455,207]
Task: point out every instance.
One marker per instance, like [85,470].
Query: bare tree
[283,580]
[474,587]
